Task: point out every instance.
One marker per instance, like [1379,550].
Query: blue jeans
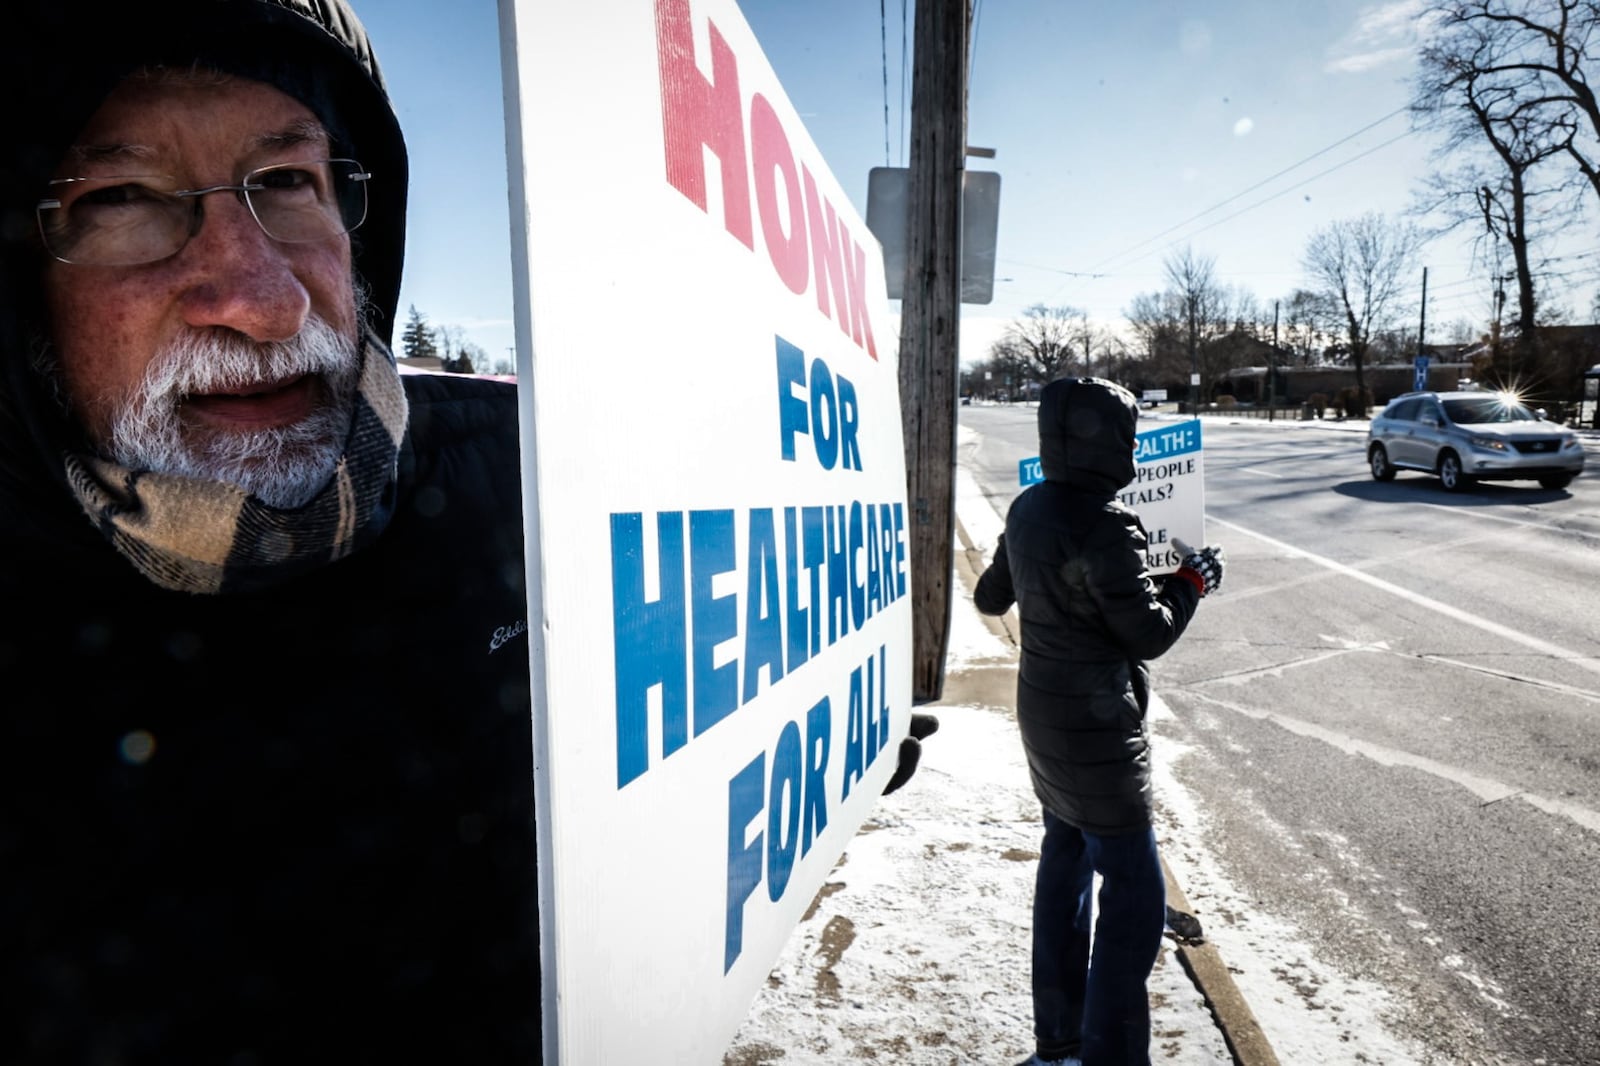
[1095,1005]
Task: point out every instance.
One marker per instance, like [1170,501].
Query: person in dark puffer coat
[1072,559]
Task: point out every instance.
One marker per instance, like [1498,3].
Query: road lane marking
[1543,647]
[1537,682]
[1276,670]
[1488,789]
[1524,523]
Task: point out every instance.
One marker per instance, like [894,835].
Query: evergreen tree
[416,340]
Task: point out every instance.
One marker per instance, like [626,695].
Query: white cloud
[1243,127]
[1365,61]
[1382,33]
[1388,21]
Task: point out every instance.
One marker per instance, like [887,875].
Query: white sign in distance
[717,542]
[1168,489]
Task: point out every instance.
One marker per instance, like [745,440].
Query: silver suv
[1471,436]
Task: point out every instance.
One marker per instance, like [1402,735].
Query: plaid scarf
[210,537]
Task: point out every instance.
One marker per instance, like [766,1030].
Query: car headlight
[1488,444]
[1572,444]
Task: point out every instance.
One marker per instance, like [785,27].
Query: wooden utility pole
[930,319]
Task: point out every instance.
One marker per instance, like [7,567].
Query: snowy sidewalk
[916,950]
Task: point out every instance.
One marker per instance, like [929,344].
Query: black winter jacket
[292,825]
[1072,560]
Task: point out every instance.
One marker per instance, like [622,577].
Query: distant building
[1293,386]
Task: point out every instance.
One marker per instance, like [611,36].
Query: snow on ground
[916,951]
[1309,1012]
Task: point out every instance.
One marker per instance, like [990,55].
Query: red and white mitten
[1207,563]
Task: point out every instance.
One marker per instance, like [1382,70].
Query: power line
[1055,270]
[1303,184]
[1274,196]
[1265,181]
[883,36]
[1457,284]
[1575,255]
[972,44]
[905,76]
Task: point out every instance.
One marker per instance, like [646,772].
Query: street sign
[888,216]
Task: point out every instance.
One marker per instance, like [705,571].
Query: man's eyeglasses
[125,221]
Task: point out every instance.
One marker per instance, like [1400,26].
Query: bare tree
[1105,354]
[999,374]
[1240,311]
[1479,86]
[1363,264]
[1118,361]
[1176,330]
[1158,323]
[1040,341]
[1308,323]
[1528,62]
[1192,278]
[1508,79]
[1460,331]
[1159,327]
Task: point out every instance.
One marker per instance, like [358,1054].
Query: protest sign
[716,514]
[1168,488]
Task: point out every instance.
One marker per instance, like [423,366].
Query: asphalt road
[1393,707]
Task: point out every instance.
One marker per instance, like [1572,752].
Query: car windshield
[1487,409]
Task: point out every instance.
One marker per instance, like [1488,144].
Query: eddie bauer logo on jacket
[506,633]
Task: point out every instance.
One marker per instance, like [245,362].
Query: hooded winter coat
[284,823]
[1072,559]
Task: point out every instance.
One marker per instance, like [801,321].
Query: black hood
[60,58]
[1087,434]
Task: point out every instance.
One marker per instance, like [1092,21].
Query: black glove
[1185,928]
[1207,562]
[922,725]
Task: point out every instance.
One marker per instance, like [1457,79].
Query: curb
[1211,977]
[1243,1034]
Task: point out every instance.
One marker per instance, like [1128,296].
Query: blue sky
[1121,132]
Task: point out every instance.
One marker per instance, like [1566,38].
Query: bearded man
[266,785]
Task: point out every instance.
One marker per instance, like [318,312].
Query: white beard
[283,467]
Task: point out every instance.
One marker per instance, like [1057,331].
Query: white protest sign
[1168,489]
[715,496]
